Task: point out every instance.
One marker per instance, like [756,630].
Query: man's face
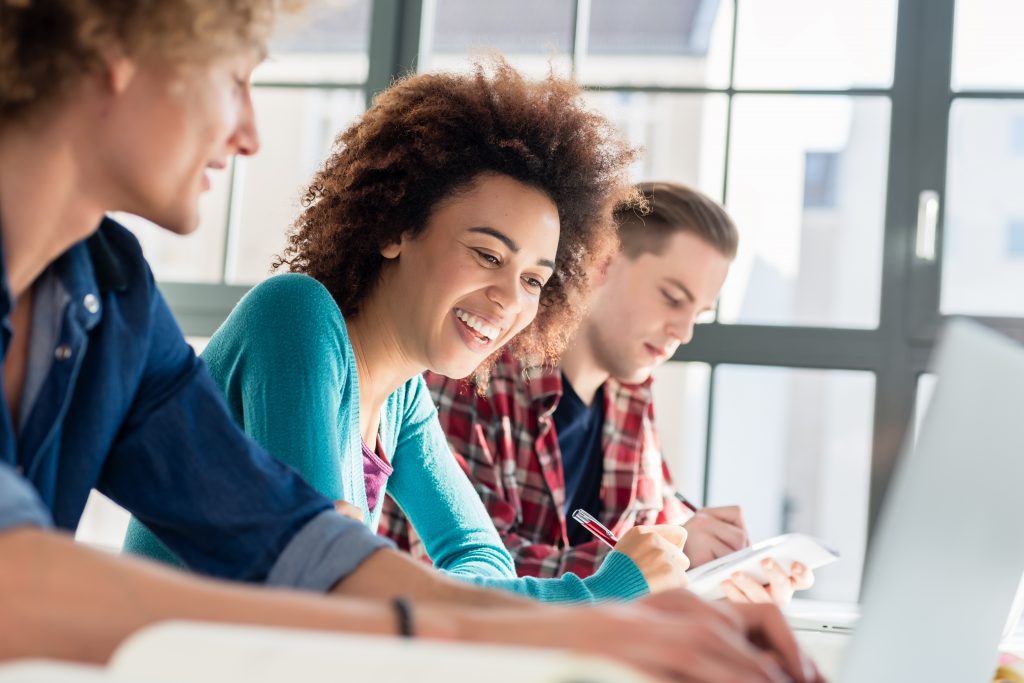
[168,128]
[646,307]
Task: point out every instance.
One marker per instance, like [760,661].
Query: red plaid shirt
[506,443]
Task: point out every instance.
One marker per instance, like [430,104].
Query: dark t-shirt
[579,429]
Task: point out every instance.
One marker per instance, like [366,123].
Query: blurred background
[871,152]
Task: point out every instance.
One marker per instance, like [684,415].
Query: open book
[192,652]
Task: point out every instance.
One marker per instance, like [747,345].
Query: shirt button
[63,352]
[91,303]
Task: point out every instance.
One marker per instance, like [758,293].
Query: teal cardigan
[285,363]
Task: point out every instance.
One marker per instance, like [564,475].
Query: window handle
[927,225]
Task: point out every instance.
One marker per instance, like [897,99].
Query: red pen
[591,524]
[686,503]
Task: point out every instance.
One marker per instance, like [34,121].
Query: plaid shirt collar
[542,387]
[627,436]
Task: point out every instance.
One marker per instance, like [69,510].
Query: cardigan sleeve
[456,529]
[282,361]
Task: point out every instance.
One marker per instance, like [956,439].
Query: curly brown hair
[47,46]
[431,135]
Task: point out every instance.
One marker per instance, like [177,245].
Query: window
[1015,238]
[820,171]
[804,118]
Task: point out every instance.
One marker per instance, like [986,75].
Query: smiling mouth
[482,330]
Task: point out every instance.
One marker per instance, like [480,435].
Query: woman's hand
[743,588]
[658,552]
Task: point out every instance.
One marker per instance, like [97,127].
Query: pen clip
[594,526]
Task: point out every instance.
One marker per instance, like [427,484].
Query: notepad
[786,549]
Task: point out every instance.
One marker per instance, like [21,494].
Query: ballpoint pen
[591,524]
[686,503]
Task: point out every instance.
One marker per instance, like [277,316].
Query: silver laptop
[949,552]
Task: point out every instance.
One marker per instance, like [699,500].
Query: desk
[827,646]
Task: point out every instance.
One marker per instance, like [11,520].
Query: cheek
[527,316]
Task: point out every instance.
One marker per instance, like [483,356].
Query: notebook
[786,549]
[176,651]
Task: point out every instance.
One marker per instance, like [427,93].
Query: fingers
[780,585]
[732,536]
[767,629]
[676,535]
[751,589]
[731,514]
[657,553]
[803,578]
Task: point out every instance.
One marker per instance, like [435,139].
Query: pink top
[376,470]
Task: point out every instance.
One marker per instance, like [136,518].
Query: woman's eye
[533,283]
[671,300]
[489,258]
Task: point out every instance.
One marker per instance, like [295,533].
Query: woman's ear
[120,70]
[392,250]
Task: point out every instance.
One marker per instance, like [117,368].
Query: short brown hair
[431,135]
[47,46]
[666,208]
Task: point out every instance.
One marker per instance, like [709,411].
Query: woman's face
[472,279]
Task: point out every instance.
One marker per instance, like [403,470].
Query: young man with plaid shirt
[543,442]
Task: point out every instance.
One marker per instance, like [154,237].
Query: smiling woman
[458,217]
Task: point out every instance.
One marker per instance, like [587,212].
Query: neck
[580,366]
[381,360]
[46,204]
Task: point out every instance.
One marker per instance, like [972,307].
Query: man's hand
[742,588]
[714,532]
[673,635]
[760,625]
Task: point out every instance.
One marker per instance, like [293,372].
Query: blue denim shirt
[117,401]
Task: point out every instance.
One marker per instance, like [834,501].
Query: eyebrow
[684,288]
[509,242]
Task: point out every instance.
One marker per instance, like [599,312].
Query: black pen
[689,506]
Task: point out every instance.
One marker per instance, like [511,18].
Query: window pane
[658,42]
[681,414]
[300,126]
[815,43]
[988,51]
[197,257]
[327,42]
[532,34]
[683,136]
[807,178]
[925,389]
[984,218]
[793,447]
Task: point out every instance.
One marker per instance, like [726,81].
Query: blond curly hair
[47,46]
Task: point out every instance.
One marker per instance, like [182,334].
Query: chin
[634,376]
[455,369]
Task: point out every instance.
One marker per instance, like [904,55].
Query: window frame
[897,351]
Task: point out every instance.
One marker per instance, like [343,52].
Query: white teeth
[480,326]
